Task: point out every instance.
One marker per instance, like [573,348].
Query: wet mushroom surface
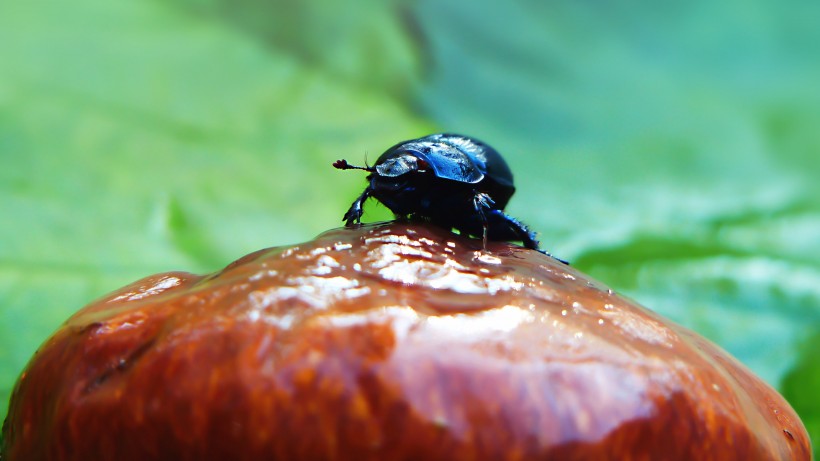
[390,341]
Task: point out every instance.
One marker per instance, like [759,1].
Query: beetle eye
[422,165]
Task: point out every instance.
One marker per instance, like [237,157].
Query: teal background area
[670,150]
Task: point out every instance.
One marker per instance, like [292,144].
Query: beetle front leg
[354,214]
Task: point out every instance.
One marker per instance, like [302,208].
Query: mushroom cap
[388,342]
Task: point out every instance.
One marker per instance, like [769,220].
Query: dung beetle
[450,180]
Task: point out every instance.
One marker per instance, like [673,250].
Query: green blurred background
[670,150]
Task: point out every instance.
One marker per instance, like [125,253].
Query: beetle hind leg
[514,230]
[506,227]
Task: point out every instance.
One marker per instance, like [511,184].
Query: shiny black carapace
[449,180]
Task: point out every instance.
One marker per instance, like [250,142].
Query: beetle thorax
[422,194]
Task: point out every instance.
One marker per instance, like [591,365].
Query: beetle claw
[353,216]
[555,258]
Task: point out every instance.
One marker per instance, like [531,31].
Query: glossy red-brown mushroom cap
[388,342]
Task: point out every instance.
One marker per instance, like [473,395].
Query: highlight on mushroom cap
[390,341]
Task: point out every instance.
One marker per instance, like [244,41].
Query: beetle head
[400,163]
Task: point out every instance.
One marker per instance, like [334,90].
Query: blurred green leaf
[137,138]
[669,151]
[363,44]
[801,384]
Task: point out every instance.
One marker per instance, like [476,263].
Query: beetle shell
[453,157]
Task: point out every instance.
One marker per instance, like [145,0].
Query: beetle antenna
[343,165]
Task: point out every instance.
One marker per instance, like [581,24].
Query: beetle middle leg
[481,201]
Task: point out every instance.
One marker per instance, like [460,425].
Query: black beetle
[451,180]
